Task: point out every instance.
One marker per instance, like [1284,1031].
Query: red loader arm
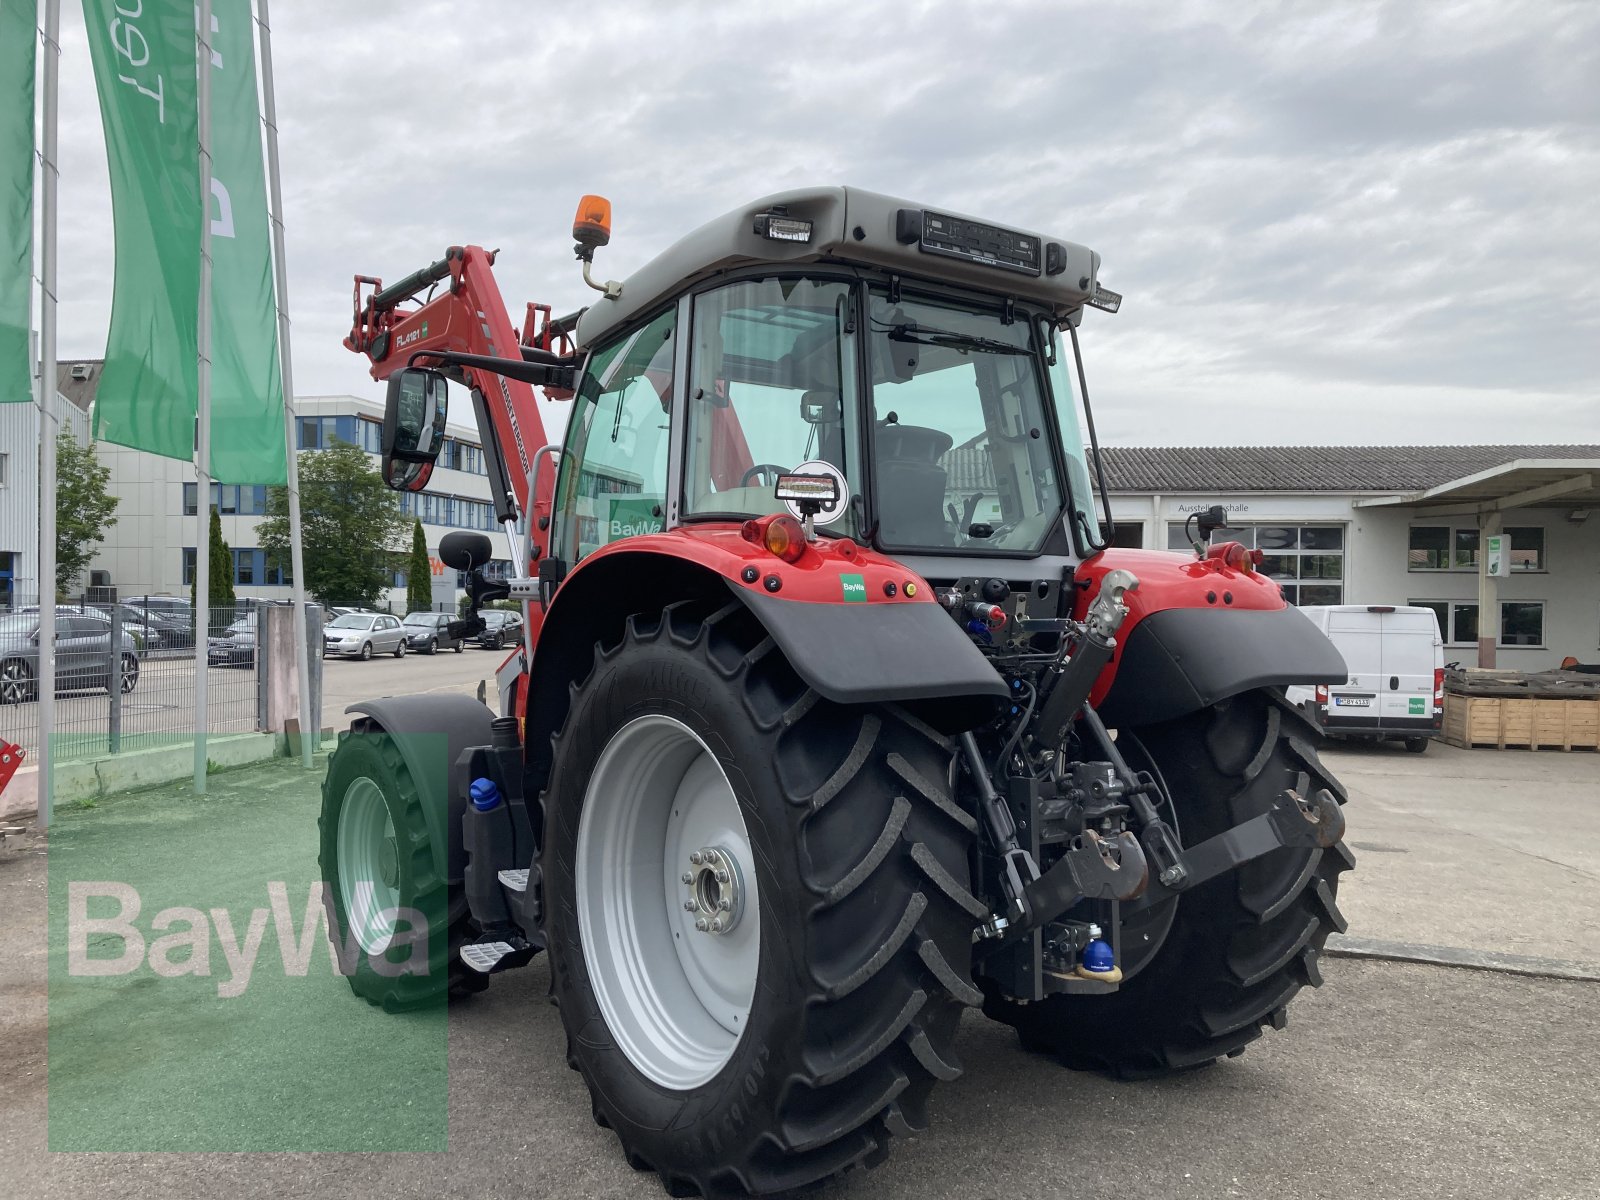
[468,316]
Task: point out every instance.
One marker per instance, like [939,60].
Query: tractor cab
[930,383]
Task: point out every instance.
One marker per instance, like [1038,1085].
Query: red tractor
[835,714]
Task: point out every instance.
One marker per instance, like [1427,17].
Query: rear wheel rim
[659,823]
[130,673]
[369,882]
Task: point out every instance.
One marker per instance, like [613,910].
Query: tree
[351,527]
[219,578]
[83,508]
[419,573]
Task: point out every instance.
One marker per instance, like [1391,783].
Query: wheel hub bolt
[716,890]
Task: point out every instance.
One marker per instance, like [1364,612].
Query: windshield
[962,452]
[421,618]
[772,386]
[18,624]
[350,621]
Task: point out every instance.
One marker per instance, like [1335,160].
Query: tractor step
[495,954]
[517,881]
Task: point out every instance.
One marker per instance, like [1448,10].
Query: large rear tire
[1240,946]
[376,855]
[855,861]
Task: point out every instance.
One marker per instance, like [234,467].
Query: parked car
[361,635]
[430,632]
[501,627]
[235,646]
[1395,688]
[83,656]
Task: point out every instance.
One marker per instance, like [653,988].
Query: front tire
[860,920]
[366,651]
[1241,945]
[376,855]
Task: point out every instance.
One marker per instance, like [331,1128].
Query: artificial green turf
[143,1062]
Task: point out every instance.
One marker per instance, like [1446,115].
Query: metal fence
[125,675]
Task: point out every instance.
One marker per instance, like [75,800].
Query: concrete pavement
[1393,1080]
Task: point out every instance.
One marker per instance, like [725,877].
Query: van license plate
[1353,701]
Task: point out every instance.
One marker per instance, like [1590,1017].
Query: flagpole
[310,723]
[202,551]
[48,416]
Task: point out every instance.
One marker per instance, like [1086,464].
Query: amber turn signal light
[592,225]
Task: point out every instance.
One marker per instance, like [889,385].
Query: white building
[152,548]
[1396,525]
[19,483]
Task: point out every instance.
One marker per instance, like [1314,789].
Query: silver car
[361,635]
[83,656]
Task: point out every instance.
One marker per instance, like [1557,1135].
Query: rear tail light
[780,535]
[1438,687]
[1322,694]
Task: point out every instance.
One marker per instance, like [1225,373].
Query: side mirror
[465,550]
[413,428]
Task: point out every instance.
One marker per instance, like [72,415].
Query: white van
[1395,689]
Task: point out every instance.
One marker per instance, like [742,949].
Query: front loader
[837,714]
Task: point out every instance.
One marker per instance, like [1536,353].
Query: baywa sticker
[855,587]
[1419,706]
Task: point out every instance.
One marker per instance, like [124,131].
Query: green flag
[144,68]
[19,40]
[246,389]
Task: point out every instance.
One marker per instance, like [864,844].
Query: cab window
[613,479]
[771,386]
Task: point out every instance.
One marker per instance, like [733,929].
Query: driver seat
[911,484]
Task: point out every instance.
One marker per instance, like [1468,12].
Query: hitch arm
[1291,821]
[1093,869]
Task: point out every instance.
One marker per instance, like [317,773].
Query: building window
[188,566]
[244,566]
[1429,548]
[5,464]
[1441,548]
[1521,622]
[1306,561]
[1527,549]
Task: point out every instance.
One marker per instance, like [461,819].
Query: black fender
[921,658]
[417,724]
[1181,660]
[912,654]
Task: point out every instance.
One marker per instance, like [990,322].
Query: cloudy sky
[1333,222]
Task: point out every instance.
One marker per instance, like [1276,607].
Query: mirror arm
[540,374]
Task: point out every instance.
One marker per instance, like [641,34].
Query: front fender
[1198,632]
[417,724]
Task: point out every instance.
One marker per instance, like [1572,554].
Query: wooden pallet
[1538,723]
[1544,685]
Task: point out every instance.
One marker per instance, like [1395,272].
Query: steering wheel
[759,469]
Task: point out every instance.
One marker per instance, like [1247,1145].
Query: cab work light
[779,227]
[822,490]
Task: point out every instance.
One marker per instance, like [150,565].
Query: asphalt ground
[1394,1079]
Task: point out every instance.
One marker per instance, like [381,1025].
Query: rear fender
[416,723]
[1198,632]
[846,631]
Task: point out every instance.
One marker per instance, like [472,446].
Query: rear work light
[779,227]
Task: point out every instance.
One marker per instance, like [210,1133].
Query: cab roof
[854,226]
